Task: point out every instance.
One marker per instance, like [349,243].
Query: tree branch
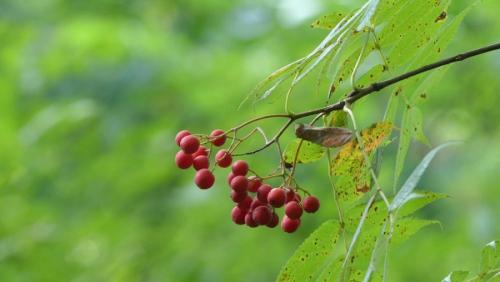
[362,92]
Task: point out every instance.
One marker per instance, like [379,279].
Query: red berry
[240,167]
[204,178]
[202,151]
[262,215]
[183,160]
[256,203]
[238,197]
[276,197]
[200,162]
[245,204]
[180,135]
[311,204]
[238,215]
[218,138]
[293,210]
[223,158]
[190,144]
[274,221]
[230,177]
[262,192]
[253,184]
[239,184]
[289,225]
[249,220]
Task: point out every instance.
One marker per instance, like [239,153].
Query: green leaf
[418,200]
[329,21]
[336,119]
[456,276]
[405,227]
[411,127]
[406,190]
[410,29]
[271,82]
[311,255]
[367,18]
[309,152]
[349,169]
[378,211]
[489,257]
[416,125]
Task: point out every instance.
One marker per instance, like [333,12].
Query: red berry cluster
[256,210]
[260,210]
[196,155]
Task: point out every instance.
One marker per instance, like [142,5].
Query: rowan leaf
[350,172]
[406,190]
[309,258]
[308,153]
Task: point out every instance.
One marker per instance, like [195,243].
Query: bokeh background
[93,92]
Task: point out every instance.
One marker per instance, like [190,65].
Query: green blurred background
[93,92]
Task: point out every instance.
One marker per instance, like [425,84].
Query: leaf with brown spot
[312,254]
[351,175]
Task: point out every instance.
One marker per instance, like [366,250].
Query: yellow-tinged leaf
[352,177]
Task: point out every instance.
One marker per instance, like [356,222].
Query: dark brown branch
[362,92]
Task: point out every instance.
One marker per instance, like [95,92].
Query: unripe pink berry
[240,167]
[183,160]
[249,220]
[274,221]
[311,204]
[262,192]
[181,134]
[217,137]
[238,197]
[223,158]
[276,197]
[253,184]
[293,210]
[190,144]
[239,184]
[289,225]
[204,178]
[262,215]
[238,215]
[200,162]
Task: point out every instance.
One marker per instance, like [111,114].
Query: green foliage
[411,124]
[308,153]
[489,267]
[312,254]
[406,190]
[490,259]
